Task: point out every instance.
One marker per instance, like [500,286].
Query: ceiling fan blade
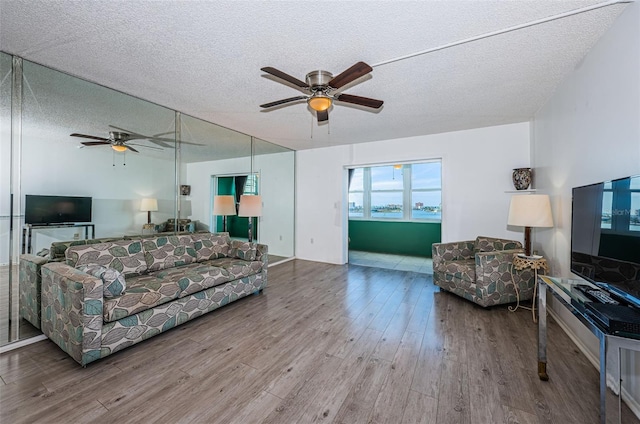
[93,137]
[283,76]
[351,74]
[161,143]
[146,147]
[95,143]
[362,101]
[283,101]
[322,115]
[131,148]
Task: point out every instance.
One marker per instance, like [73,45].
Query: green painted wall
[401,238]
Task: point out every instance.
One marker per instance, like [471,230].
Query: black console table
[563,290]
[27,231]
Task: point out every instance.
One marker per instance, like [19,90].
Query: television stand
[28,229]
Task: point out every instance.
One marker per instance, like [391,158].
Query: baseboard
[282,261]
[628,399]
[22,343]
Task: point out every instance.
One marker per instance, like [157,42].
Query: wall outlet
[312,240]
[76,236]
[280,238]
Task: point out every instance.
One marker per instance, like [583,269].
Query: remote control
[597,294]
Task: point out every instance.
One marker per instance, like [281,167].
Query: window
[408,192]
[251,185]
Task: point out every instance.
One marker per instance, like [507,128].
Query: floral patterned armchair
[481,270]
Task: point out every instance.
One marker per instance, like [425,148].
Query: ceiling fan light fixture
[319,102]
[119,147]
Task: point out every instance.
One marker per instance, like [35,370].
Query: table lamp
[149,205]
[250,206]
[530,210]
[224,205]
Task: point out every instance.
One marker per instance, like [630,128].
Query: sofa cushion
[211,245]
[143,292]
[59,248]
[168,251]
[196,277]
[236,267]
[243,250]
[113,281]
[125,256]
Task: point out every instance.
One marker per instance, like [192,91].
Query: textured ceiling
[204,58]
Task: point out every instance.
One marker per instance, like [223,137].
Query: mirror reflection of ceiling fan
[321,89]
[120,140]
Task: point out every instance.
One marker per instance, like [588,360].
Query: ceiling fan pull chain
[311,127]
[113,161]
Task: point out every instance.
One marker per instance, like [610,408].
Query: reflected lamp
[224,205]
[250,206]
[149,205]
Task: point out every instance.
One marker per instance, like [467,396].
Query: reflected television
[51,210]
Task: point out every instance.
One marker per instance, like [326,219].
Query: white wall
[476,171]
[588,132]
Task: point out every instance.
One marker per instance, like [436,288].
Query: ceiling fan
[321,89]
[119,140]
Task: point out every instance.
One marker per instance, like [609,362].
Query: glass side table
[572,299]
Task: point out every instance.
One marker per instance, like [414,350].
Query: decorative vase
[521,178]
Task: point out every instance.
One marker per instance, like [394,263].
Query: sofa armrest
[497,266]
[455,251]
[72,306]
[262,254]
[30,281]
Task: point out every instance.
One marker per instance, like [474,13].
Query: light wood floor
[323,343]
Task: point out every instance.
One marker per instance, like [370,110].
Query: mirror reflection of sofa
[184,225]
[481,270]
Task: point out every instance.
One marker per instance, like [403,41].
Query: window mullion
[366,198]
[406,192]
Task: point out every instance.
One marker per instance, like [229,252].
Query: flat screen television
[605,235]
[48,210]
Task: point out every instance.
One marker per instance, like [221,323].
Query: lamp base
[527,241]
[149,226]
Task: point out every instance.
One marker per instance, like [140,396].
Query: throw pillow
[113,281]
[243,250]
[211,245]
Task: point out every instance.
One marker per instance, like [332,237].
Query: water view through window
[397,192]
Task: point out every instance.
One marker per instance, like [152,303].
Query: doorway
[394,214]
[236,186]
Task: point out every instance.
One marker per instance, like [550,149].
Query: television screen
[605,233]
[44,210]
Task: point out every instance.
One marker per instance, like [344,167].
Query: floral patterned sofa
[481,270]
[30,276]
[111,295]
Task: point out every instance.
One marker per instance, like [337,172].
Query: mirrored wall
[71,138]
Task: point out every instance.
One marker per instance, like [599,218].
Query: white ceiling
[204,58]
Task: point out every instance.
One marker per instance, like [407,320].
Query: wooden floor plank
[310,348]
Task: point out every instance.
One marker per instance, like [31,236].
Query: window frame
[407,194]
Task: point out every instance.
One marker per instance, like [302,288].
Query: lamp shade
[224,205]
[149,205]
[250,206]
[530,210]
